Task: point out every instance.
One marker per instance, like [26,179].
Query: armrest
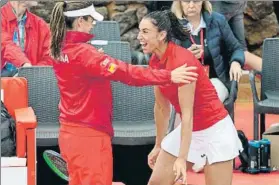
[147,57]
[233,93]
[234,90]
[26,117]
[252,75]
[25,120]
[137,57]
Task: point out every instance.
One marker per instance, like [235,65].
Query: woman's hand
[235,71]
[197,50]
[179,169]
[152,157]
[101,50]
[184,74]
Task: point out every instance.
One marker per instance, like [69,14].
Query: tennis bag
[8,140]
[244,155]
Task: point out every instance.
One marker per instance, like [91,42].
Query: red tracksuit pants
[88,154]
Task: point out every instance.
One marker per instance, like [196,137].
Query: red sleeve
[12,52]
[45,44]
[101,65]
[2,56]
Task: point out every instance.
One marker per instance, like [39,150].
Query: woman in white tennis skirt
[206,137]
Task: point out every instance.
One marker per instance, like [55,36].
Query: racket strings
[59,163]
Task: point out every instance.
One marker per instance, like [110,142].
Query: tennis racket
[56,164]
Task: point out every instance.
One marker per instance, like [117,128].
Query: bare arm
[186,94]
[161,115]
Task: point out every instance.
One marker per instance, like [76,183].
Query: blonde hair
[176,8]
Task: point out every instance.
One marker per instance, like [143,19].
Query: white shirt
[197,30]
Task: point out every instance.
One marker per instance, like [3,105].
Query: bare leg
[253,61]
[163,170]
[219,173]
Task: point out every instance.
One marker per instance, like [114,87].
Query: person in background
[206,136]
[158,5]
[25,38]
[234,13]
[212,42]
[276,9]
[83,75]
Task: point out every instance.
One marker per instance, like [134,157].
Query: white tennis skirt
[217,143]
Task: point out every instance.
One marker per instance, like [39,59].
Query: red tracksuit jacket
[37,39]
[84,76]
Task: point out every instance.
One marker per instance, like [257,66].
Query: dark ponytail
[177,29]
[167,21]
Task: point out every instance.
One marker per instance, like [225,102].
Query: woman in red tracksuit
[24,38]
[83,76]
